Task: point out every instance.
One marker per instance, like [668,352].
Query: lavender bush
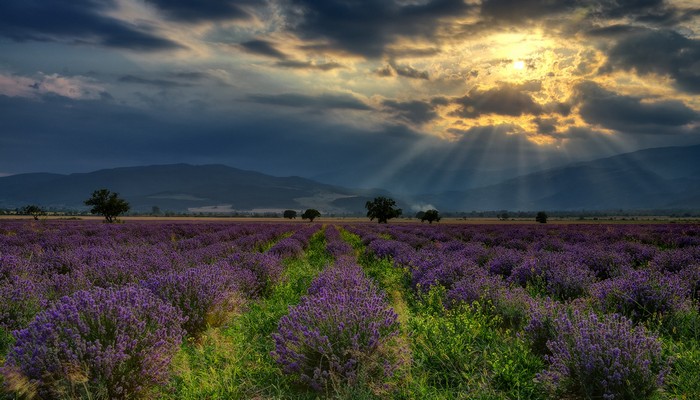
[199,293]
[641,294]
[114,343]
[603,358]
[339,336]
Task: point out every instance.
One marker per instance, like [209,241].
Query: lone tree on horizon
[541,217]
[33,210]
[107,204]
[311,214]
[290,214]
[430,216]
[383,209]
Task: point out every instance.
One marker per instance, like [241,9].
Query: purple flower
[603,357]
[116,342]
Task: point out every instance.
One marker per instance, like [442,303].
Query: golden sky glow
[566,79]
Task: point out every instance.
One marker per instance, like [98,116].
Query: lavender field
[210,310]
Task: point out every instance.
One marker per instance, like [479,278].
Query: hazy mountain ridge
[179,187]
[656,178]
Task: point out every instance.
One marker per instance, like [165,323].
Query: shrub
[603,357]
[198,293]
[640,294]
[339,337]
[100,343]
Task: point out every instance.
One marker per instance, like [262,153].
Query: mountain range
[658,178]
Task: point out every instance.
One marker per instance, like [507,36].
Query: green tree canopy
[107,204]
[33,210]
[541,217]
[311,214]
[383,209]
[430,216]
[291,214]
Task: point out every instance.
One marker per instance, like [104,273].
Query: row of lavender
[583,296]
[342,333]
[99,310]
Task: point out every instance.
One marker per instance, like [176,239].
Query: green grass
[235,361]
[454,354]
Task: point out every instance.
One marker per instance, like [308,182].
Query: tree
[33,210]
[107,204]
[290,214]
[420,215]
[383,209]
[541,217]
[310,214]
[504,216]
[430,216]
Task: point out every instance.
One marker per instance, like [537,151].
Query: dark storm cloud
[520,10]
[197,10]
[326,101]
[263,48]
[504,100]
[629,114]
[417,112]
[366,27]
[661,52]
[655,12]
[75,21]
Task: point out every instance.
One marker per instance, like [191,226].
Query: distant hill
[182,187]
[658,178]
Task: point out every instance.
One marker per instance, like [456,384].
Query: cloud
[197,10]
[161,83]
[325,101]
[294,64]
[74,87]
[661,52]
[402,70]
[504,100]
[415,112]
[366,28]
[76,21]
[263,48]
[630,114]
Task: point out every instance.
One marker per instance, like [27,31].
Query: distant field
[239,308]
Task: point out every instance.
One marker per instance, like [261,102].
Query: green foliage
[541,217]
[290,214]
[430,216]
[107,204]
[311,214]
[235,362]
[463,351]
[33,210]
[383,209]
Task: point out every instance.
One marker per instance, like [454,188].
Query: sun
[519,65]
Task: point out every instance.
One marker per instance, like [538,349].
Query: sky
[406,95]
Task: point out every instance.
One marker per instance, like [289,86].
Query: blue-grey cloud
[662,52]
[415,111]
[366,28]
[197,10]
[504,100]
[630,114]
[296,64]
[160,83]
[325,101]
[263,48]
[75,21]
